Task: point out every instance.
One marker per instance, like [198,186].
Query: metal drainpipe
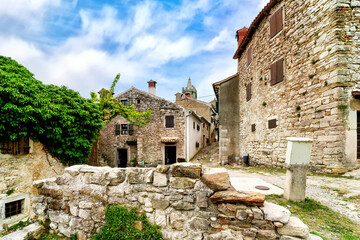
[186,129]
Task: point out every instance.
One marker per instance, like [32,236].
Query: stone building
[203,109]
[227,94]
[298,70]
[21,162]
[173,134]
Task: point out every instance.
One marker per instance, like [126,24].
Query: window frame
[124,129]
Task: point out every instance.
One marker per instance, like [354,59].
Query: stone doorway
[170,154]
[122,157]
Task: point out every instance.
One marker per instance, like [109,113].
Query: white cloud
[263,3]
[217,42]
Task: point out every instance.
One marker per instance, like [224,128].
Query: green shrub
[119,224]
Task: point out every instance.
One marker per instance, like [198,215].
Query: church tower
[190,90]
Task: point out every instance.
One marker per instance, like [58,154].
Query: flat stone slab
[243,197]
[191,170]
[32,229]
[249,184]
[295,228]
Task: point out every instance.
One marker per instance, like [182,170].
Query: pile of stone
[186,200]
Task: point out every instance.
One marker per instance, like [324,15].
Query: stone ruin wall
[186,200]
[320,47]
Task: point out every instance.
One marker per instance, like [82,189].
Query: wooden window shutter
[253,127]
[279,70]
[273,74]
[272,123]
[249,55]
[131,129]
[248,91]
[279,20]
[169,121]
[273,25]
[117,129]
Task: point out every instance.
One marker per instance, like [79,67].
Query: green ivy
[58,117]
[119,224]
[66,123]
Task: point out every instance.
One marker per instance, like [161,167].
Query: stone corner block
[191,170]
[295,228]
[217,179]
[162,168]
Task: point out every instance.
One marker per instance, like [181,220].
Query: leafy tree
[66,123]
[58,117]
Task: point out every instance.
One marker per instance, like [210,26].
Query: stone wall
[319,43]
[18,172]
[187,201]
[228,92]
[150,147]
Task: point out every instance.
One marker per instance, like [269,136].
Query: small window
[198,127]
[16,147]
[138,101]
[197,145]
[124,102]
[117,129]
[249,55]
[13,208]
[124,129]
[169,121]
[277,72]
[193,125]
[248,91]
[276,22]
[253,127]
[207,141]
[272,123]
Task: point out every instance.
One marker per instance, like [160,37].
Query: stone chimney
[178,96]
[152,87]
[240,34]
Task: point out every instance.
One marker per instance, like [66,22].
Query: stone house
[188,99]
[164,140]
[21,162]
[298,76]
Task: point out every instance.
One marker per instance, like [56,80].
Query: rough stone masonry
[186,200]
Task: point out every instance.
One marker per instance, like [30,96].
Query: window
[193,125]
[124,129]
[117,129]
[276,22]
[198,127]
[248,91]
[253,127]
[16,147]
[197,145]
[272,123]
[126,102]
[13,208]
[169,121]
[138,101]
[249,55]
[277,72]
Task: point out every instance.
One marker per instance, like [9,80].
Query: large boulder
[275,213]
[243,197]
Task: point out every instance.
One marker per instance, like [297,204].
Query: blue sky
[83,44]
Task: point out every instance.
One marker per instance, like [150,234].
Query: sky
[83,44]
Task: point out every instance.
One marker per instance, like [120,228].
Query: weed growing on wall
[122,222]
